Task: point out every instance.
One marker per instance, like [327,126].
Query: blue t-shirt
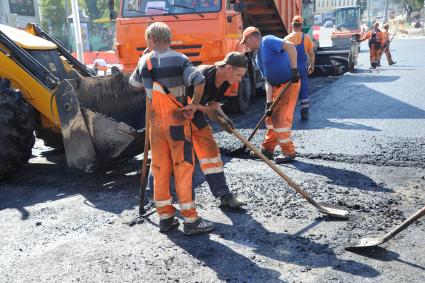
[273,61]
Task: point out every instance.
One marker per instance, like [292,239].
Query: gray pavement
[363,149]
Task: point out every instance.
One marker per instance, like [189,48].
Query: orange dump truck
[204,30]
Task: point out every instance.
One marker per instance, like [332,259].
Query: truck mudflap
[91,139]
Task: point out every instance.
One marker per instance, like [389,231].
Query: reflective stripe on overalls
[208,154]
[280,123]
[302,61]
[172,151]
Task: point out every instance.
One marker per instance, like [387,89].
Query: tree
[53,18]
[409,6]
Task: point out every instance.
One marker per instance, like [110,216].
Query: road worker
[305,58]
[218,78]
[375,37]
[100,64]
[165,74]
[386,45]
[277,59]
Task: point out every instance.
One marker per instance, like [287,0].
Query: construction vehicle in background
[347,23]
[204,30]
[342,55]
[97,121]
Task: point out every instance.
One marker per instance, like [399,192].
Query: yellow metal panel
[33,91]
[27,40]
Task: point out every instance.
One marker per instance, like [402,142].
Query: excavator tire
[17,125]
[51,139]
[240,103]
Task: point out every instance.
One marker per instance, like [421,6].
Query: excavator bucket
[102,120]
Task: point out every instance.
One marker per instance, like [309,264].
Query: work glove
[268,111]
[295,76]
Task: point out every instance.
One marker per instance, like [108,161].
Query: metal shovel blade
[366,243]
[332,210]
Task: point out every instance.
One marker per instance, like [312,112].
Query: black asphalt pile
[397,154]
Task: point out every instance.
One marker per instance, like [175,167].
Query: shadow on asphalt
[293,249]
[382,254]
[228,264]
[112,191]
[341,177]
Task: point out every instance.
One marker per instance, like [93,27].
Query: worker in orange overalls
[100,65]
[218,78]
[165,74]
[375,37]
[277,59]
[386,45]
[306,58]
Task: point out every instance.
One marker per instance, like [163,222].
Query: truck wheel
[17,125]
[240,103]
[51,139]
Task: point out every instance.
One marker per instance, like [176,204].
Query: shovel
[367,243]
[144,210]
[241,150]
[322,207]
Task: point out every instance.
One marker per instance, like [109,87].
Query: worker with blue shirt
[277,59]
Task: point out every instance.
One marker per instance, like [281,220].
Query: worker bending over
[305,61]
[386,45]
[277,59]
[375,37]
[218,78]
[165,74]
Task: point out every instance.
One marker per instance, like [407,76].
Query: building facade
[328,6]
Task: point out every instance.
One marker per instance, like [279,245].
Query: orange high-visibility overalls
[208,154]
[172,151]
[386,47]
[375,44]
[280,123]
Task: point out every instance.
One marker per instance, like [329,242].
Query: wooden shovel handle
[144,171]
[405,224]
[291,183]
[271,108]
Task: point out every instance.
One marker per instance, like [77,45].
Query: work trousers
[208,154]
[374,54]
[280,123]
[388,55]
[304,98]
[172,151]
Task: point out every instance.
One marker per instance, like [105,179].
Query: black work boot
[168,224]
[392,63]
[267,153]
[304,113]
[229,200]
[198,227]
[284,158]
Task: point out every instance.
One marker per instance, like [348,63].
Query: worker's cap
[247,32]
[297,20]
[235,59]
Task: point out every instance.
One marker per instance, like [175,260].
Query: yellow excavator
[97,121]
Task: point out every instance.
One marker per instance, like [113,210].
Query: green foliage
[53,18]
